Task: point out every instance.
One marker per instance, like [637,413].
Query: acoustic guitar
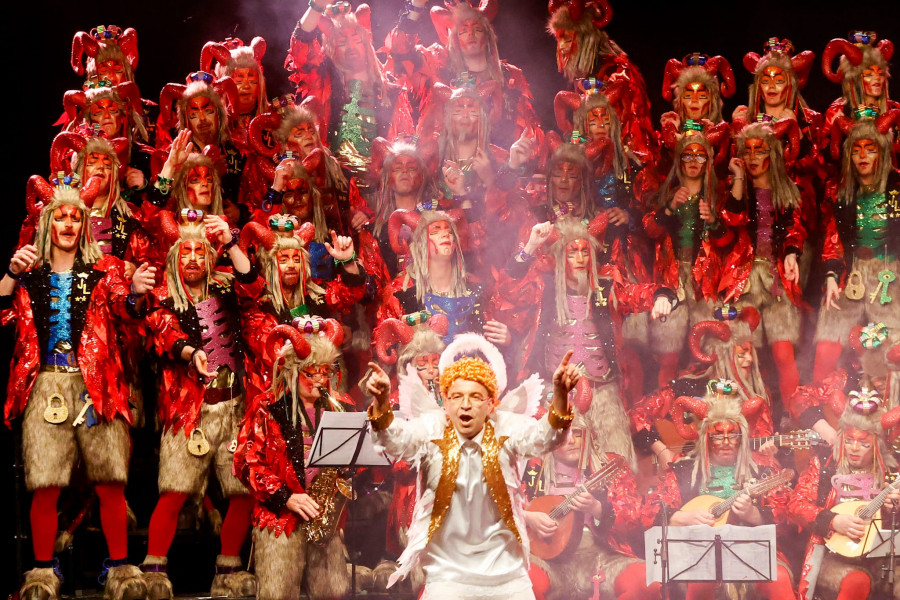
[867,511]
[795,440]
[721,508]
[570,525]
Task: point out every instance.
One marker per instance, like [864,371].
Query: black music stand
[727,554]
[343,440]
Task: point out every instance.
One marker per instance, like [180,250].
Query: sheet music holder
[882,546]
[343,440]
[718,554]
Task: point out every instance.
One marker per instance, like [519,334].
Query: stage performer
[862,251]
[108,54]
[763,268]
[471,43]
[196,332]
[719,467]
[67,383]
[243,64]
[600,563]
[579,304]
[338,65]
[687,234]
[297,517]
[585,51]
[468,531]
[856,469]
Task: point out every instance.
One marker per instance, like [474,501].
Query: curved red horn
[715,133]
[606,14]
[38,193]
[802,64]
[674,68]
[334,332]
[751,61]
[306,233]
[441,92]
[130,93]
[886,47]
[397,220]
[258,45]
[285,332]
[213,51]
[227,89]
[835,49]
[73,103]
[64,144]
[90,190]
[597,226]
[789,131]
[380,149]
[682,404]
[840,127]
[389,334]
[717,329]
[256,234]
[258,126]
[489,8]
[443,23]
[83,43]
[854,339]
[128,42]
[168,228]
[753,405]
[121,146]
[439,324]
[884,123]
[364,16]
[170,94]
[893,355]
[720,65]
[583,396]
[891,418]
[750,316]
[564,104]
[314,163]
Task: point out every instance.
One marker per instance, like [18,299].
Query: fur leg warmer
[125,582]
[231,580]
[40,584]
[156,578]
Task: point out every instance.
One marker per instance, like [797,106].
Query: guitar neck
[868,512]
[595,482]
[757,489]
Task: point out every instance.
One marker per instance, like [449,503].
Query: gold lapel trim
[493,475]
[449,446]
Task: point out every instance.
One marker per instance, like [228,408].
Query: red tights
[629,585]
[633,369]
[164,522]
[856,585]
[827,356]
[668,368]
[780,589]
[788,375]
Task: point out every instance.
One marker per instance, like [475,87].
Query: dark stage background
[171,34]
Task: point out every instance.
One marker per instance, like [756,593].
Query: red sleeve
[802,505]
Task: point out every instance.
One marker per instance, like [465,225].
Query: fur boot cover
[231,581]
[40,584]
[365,578]
[156,578]
[125,583]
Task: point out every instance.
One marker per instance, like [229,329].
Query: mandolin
[721,508]
[795,440]
[568,533]
[867,511]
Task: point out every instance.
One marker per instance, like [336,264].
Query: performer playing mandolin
[833,497]
[718,472]
[575,525]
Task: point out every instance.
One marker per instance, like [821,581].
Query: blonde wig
[590,41]
[674,179]
[573,153]
[883,459]
[417,269]
[448,141]
[864,130]
[386,203]
[88,249]
[268,261]
[570,230]
[102,146]
[190,232]
[200,88]
[181,181]
[785,194]
[775,59]
[594,102]
[722,409]
[699,75]
[462,14]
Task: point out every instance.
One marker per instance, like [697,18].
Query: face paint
[200,187]
[290,266]
[100,165]
[203,119]
[775,86]
[106,113]
[566,47]
[472,37]
[192,260]
[597,124]
[311,378]
[111,70]
[65,228]
[406,175]
[565,181]
[427,368]
[743,356]
[303,139]
[570,452]
[465,116]
[756,156]
[859,448]
[247,81]
[349,50]
[724,441]
[578,257]
[297,199]
[695,101]
[693,161]
[864,155]
[873,81]
[468,405]
[440,239]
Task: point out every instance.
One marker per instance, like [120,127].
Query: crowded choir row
[224,267]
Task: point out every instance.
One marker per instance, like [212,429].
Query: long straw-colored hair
[102,146]
[181,298]
[457,62]
[425,341]
[775,59]
[373,65]
[864,130]
[418,268]
[200,88]
[785,194]
[674,179]
[181,181]
[570,230]
[268,260]
[386,202]
[593,102]
[448,140]
[699,75]
[883,459]
[852,83]
[286,369]
[591,42]
[722,409]
[573,153]
[88,250]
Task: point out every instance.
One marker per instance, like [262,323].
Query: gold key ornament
[197,444]
[56,411]
[81,415]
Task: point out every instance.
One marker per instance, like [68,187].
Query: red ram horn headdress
[64,145]
[390,333]
[275,339]
[128,44]
[38,193]
[789,131]
[886,47]
[802,64]
[83,43]
[564,104]
[834,49]
[169,95]
[397,220]
[73,104]
[717,329]
[256,234]
[719,65]
[674,67]
[227,90]
[697,406]
[577,8]
[213,51]
[884,123]
[597,226]
[258,126]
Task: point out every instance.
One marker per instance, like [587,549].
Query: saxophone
[330,491]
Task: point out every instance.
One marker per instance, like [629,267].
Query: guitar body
[568,533]
[707,502]
[845,546]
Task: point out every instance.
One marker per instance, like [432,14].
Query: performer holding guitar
[841,498]
[575,525]
[721,470]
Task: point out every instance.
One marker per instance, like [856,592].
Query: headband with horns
[394,332]
[603,11]
[717,67]
[90,44]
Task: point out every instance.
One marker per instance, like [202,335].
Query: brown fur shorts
[834,325]
[284,562]
[51,450]
[780,318]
